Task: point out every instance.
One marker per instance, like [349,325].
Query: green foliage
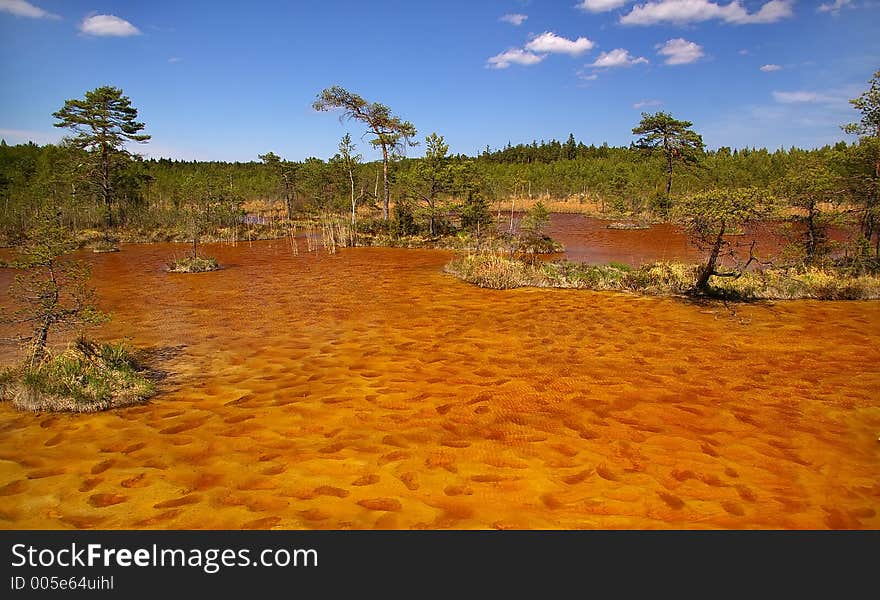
[678,142]
[863,172]
[533,238]
[286,172]
[193,264]
[475,212]
[102,123]
[705,213]
[712,217]
[429,182]
[810,189]
[349,160]
[869,105]
[660,131]
[663,279]
[204,207]
[403,221]
[536,219]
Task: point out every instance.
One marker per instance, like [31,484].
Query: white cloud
[514,19]
[771,67]
[590,77]
[174,59]
[799,97]
[617,58]
[108,25]
[679,51]
[514,56]
[835,7]
[681,12]
[598,6]
[645,103]
[20,8]
[549,42]
[743,52]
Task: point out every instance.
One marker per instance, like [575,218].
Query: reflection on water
[368,389]
[587,239]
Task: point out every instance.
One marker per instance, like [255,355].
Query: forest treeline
[93,180]
[153,191]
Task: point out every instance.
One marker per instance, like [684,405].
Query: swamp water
[369,389]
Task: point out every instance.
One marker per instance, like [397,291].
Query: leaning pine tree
[390,133]
[711,218]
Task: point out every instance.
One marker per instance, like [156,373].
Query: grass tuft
[86,377]
[663,279]
[188,264]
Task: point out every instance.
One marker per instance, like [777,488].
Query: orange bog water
[368,389]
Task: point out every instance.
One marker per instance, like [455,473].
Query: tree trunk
[709,269]
[386,214]
[105,184]
[287,204]
[353,201]
[195,247]
[512,204]
[38,344]
[810,246]
[41,335]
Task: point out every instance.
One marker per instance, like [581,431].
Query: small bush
[189,264]
[86,377]
[105,245]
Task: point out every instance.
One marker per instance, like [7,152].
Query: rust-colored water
[368,389]
[587,239]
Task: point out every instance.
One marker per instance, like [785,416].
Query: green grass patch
[189,264]
[663,279]
[86,377]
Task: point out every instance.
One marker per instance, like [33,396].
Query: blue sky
[231,80]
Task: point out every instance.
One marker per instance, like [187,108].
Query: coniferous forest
[104,184]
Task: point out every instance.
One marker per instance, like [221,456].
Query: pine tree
[102,123]
[676,139]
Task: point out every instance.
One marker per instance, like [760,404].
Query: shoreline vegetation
[493,271]
[193,264]
[84,377]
